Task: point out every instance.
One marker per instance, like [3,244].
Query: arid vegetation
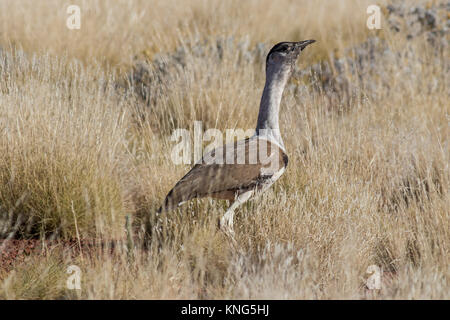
[86,118]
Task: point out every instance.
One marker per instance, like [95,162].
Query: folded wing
[228,171]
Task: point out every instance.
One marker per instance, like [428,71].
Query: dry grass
[116,31]
[366,184]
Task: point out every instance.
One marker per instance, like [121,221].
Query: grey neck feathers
[268,124]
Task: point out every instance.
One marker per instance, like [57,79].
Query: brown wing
[227,170]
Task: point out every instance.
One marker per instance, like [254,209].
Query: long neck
[276,79]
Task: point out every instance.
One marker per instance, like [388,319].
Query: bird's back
[227,171]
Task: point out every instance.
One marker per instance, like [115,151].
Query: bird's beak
[303,44]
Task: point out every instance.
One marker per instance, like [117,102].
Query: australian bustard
[255,163]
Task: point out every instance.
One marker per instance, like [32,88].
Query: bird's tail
[171,202]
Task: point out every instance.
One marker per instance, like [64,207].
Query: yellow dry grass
[366,184]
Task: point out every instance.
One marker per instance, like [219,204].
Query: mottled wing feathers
[228,170]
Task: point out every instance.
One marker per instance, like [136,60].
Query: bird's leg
[226,222]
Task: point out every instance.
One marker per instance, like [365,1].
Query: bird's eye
[279,52]
[284,49]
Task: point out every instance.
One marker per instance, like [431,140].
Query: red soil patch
[14,251]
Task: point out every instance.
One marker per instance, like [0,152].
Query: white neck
[268,124]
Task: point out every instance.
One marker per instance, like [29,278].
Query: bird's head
[283,55]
